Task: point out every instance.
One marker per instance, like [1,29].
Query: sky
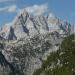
[64,9]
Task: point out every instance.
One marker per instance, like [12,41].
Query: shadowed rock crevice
[11,35]
[6,64]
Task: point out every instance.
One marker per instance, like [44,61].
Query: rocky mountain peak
[28,39]
[26,24]
[22,16]
[51,15]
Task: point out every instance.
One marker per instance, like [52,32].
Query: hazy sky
[65,9]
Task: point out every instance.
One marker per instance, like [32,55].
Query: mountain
[26,24]
[60,62]
[28,40]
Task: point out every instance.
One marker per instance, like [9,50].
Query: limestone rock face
[28,39]
[25,25]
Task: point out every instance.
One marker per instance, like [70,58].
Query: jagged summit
[29,39]
[26,24]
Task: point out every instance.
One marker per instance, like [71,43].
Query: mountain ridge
[29,39]
[26,24]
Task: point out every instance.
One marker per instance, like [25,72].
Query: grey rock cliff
[28,40]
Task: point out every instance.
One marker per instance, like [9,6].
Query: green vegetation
[61,62]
